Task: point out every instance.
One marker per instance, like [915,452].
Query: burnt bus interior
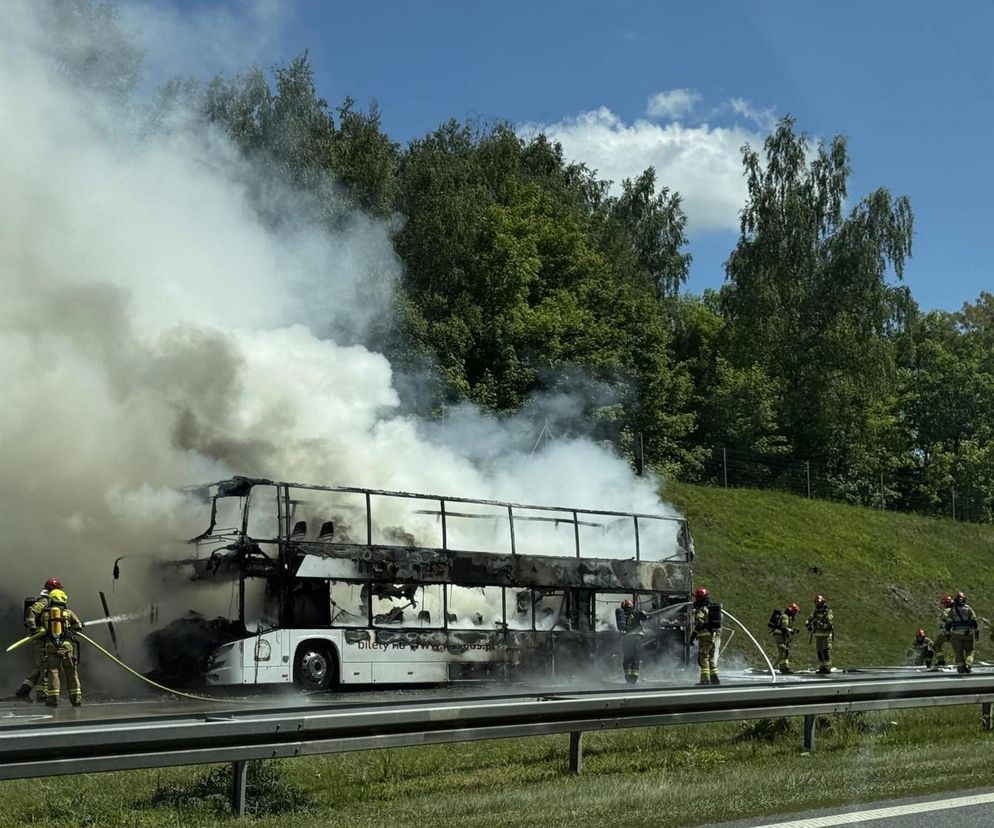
[540,583]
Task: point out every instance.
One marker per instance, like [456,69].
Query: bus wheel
[314,668]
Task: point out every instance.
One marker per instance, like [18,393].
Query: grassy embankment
[882,573]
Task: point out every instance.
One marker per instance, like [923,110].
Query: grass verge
[677,776]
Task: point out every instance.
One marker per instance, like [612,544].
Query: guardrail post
[239,778]
[576,751]
[809,732]
[985,716]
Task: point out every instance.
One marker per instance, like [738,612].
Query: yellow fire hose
[133,672]
[149,681]
[24,641]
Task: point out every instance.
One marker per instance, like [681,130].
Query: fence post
[809,732]
[985,716]
[807,473]
[576,751]
[953,492]
[724,464]
[882,490]
[239,779]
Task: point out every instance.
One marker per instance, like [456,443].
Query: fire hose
[135,673]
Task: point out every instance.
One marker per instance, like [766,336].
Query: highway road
[157,705]
[967,809]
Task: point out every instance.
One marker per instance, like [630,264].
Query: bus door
[408,629]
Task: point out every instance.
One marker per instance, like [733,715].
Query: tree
[947,385]
[808,299]
[523,277]
[292,138]
[736,406]
[653,227]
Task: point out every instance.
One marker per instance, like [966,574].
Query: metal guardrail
[54,748]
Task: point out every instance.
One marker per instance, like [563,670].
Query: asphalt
[157,705]
[945,809]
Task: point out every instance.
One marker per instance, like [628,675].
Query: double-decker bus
[346,586]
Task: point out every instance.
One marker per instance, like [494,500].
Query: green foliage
[947,384]
[290,135]
[808,299]
[767,730]
[514,285]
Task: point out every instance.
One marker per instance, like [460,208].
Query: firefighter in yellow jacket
[960,622]
[59,622]
[782,629]
[36,678]
[819,624]
[707,630]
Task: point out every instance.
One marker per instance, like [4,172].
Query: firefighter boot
[23,693]
[715,679]
[75,701]
[51,701]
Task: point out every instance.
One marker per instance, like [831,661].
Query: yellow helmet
[58,596]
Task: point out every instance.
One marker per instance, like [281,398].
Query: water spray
[725,645]
[669,608]
[116,619]
[762,652]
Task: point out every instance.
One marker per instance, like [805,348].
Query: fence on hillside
[901,491]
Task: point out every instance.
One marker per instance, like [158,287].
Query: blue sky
[909,83]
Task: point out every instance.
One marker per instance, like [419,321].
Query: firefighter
[59,622]
[942,636]
[707,632]
[33,610]
[923,650]
[629,620]
[780,625]
[819,624]
[960,623]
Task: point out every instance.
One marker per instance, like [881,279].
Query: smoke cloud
[156,333]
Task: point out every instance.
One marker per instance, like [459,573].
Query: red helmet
[919,633]
[960,598]
[53,583]
[793,609]
[946,600]
[628,603]
[700,593]
[819,600]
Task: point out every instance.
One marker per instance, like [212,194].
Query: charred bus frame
[300,564]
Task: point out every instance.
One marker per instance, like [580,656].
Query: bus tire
[315,667]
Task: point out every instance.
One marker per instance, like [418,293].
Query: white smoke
[155,333]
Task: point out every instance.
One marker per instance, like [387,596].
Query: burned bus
[342,586]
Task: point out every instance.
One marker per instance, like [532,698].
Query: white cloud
[702,163]
[765,119]
[674,103]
